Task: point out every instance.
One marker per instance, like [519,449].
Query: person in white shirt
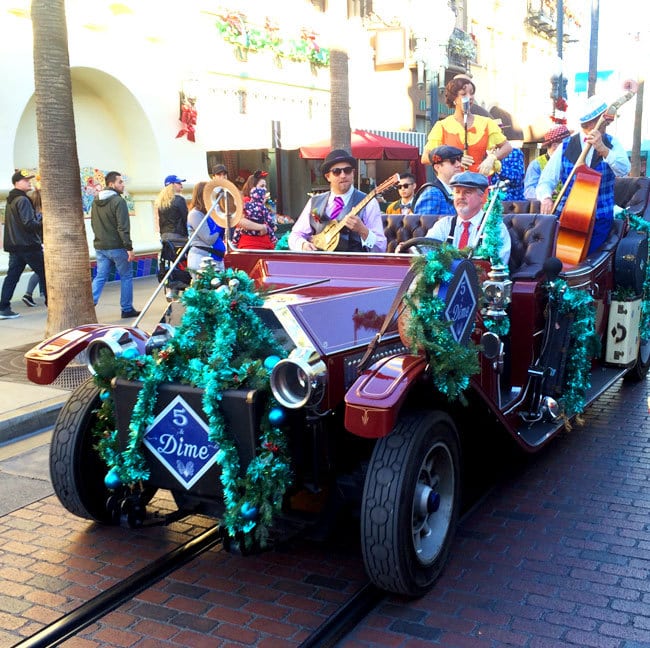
[463,230]
[363,232]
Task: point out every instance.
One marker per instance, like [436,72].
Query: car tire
[76,469]
[411,502]
[639,370]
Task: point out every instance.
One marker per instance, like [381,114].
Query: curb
[31,418]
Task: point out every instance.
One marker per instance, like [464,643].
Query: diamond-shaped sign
[461,300]
[178,438]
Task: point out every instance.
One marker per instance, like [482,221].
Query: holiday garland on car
[584,343]
[453,363]
[640,225]
[490,248]
[220,344]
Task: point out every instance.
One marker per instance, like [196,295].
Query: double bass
[577,219]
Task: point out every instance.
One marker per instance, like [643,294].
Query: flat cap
[444,152]
[469,179]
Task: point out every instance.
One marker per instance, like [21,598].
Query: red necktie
[338,208]
[464,236]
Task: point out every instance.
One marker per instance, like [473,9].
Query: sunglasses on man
[339,170]
[405,186]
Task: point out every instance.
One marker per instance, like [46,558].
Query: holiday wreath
[220,344]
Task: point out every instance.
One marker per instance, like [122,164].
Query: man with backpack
[22,240]
[109,218]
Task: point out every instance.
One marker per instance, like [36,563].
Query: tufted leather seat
[532,235]
[398,228]
[634,195]
[533,241]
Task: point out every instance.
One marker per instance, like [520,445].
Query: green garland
[584,343]
[640,225]
[218,346]
[452,363]
[490,248]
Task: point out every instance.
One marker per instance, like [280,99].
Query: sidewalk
[26,408]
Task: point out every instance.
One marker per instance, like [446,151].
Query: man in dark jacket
[109,218]
[22,239]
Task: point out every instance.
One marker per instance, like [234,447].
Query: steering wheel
[423,241]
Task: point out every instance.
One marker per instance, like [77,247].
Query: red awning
[365,146]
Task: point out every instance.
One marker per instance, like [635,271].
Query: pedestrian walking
[109,218]
[23,241]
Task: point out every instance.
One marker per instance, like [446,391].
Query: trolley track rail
[97,607]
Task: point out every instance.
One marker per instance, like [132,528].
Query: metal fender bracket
[374,400]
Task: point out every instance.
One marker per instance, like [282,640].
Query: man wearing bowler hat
[463,230]
[363,232]
[606,155]
[436,197]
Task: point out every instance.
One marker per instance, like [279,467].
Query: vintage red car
[342,402]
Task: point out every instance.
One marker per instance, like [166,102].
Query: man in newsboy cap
[463,230]
[436,197]
[363,232]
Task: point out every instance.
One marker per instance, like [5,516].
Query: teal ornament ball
[112,479]
[271,361]
[104,394]
[248,512]
[130,353]
[276,416]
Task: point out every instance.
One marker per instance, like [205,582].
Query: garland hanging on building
[453,363]
[219,345]
[247,38]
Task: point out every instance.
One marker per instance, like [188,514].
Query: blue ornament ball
[248,512]
[104,394]
[130,353]
[276,416]
[112,479]
[271,361]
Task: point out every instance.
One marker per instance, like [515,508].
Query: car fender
[373,402]
[49,358]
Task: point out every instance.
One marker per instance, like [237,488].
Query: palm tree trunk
[67,262]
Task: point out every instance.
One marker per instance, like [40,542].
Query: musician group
[465,150]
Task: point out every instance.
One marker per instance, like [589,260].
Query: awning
[365,146]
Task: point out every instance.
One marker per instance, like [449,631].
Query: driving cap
[594,107]
[21,175]
[219,168]
[171,179]
[556,134]
[444,152]
[337,155]
[469,179]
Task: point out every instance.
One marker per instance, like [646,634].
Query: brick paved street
[557,555]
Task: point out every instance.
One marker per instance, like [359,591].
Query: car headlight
[299,380]
[116,341]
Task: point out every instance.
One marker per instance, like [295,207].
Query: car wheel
[639,370]
[411,501]
[76,469]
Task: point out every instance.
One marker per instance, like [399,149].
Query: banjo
[328,238]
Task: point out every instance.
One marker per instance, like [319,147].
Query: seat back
[533,241]
[399,228]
